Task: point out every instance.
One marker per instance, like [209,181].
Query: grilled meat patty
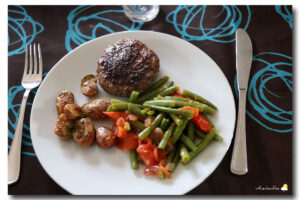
[125,66]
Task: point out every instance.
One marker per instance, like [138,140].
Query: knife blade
[244,54]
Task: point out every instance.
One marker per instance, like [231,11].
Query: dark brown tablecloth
[211,28]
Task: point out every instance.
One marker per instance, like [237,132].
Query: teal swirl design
[99,21]
[230,17]
[21,27]
[13,111]
[285,14]
[261,94]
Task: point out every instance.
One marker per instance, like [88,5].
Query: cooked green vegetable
[198,98]
[133,159]
[166,137]
[191,131]
[189,143]
[139,126]
[176,119]
[150,128]
[119,106]
[156,85]
[176,160]
[201,135]
[134,108]
[133,96]
[178,131]
[203,144]
[168,91]
[178,103]
[164,124]
[184,154]
[184,113]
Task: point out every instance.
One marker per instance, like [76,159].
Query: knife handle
[239,156]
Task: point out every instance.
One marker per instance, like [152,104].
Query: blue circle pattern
[77,16]
[18,18]
[285,14]
[221,33]
[257,92]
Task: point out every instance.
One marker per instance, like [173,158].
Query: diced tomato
[115,115]
[128,142]
[177,94]
[132,117]
[201,122]
[196,110]
[146,151]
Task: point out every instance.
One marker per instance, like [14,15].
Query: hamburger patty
[125,66]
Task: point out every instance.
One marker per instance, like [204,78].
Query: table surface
[60,29]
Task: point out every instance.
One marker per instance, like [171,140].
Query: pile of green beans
[175,123]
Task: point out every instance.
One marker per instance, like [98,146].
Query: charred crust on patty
[125,66]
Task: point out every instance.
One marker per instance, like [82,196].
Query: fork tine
[40,60]
[26,61]
[30,59]
[35,58]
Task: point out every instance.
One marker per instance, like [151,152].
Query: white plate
[97,171]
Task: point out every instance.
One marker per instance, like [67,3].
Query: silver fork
[30,80]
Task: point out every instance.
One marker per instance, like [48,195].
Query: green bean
[119,106]
[176,98]
[191,131]
[203,144]
[176,160]
[177,103]
[197,98]
[133,159]
[136,110]
[168,91]
[156,85]
[133,96]
[109,109]
[178,131]
[202,135]
[113,101]
[171,156]
[150,128]
[189,143]
[171,84]
[166,137]
[164,124]
[176,119]
[138,125]
[184,113]
[184,154]
[149,95]
[148,111]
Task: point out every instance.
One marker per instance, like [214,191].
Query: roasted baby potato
[94,109]
[88,85]
[63,127]
[105,137]
[84,132]
[64,98]
[73,111]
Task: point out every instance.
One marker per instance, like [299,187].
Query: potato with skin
[84,132]
[63,127]
[73,111]
[94,109]
[63,98]
[105,137]
[88,86]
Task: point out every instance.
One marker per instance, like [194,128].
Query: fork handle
[239,155]
[14,155]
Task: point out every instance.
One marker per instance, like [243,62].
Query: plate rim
[120,33]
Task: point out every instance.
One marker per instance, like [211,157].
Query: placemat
[60,29]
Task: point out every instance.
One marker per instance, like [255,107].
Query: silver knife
[243,65]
